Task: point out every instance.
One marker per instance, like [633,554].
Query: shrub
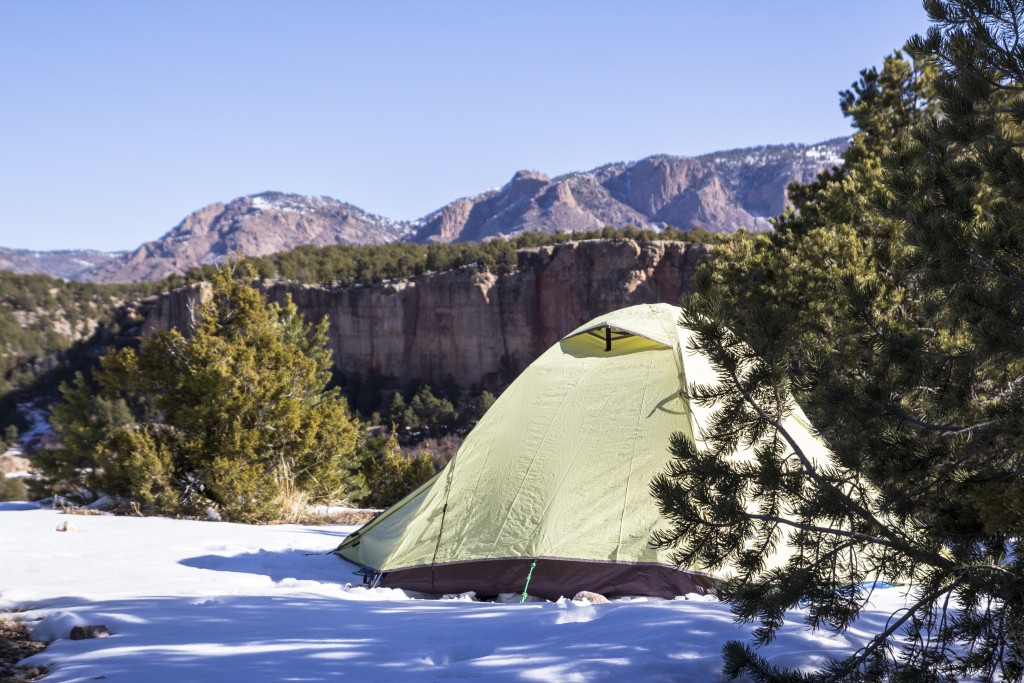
[230,417]
[389,476]
[12,489]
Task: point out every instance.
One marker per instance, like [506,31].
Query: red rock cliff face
[480,328]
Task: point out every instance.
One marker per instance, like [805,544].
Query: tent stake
[528,576]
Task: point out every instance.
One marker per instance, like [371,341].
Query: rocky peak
[721,192]
[255,225]
[525,183]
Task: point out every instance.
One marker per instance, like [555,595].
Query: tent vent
[608,334]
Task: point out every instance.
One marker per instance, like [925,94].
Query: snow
[39,423]
[212,601]
[261,203]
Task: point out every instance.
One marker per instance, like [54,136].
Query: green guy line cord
[528,577]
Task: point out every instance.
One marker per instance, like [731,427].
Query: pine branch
[948,430]
[989,267]
[827,531]
[809,468]
[944,472]
[855,661]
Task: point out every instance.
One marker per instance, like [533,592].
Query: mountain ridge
[67,264]
[719,191]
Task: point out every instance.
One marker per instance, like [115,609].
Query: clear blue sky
[119,118]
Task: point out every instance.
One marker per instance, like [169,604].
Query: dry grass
[296,509]
[314,517]
[79,510]
[352,516]
[15,645]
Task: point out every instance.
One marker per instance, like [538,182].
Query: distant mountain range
[69,264]
[721,192]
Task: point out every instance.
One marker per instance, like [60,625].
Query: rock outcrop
[480,328]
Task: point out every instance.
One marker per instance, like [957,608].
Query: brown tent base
[551,579]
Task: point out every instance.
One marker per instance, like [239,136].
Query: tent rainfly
[557,473]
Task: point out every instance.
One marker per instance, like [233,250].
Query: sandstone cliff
[481,328]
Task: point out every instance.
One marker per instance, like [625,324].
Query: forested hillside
[343,265]
[51,327]
[41,318]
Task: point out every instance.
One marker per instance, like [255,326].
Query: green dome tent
[558,473]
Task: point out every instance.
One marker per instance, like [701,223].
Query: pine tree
[388,475]
[891,309]
[237,415]
[82,420]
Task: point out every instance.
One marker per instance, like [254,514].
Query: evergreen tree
[236,415]
[435,415]
[388,475]
[890,307]
[475,409]
[82,420]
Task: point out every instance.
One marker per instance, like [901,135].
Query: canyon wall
[481,328]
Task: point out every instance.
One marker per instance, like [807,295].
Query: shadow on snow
[301,565]
[271,638]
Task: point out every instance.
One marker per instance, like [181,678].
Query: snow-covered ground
[211,601]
